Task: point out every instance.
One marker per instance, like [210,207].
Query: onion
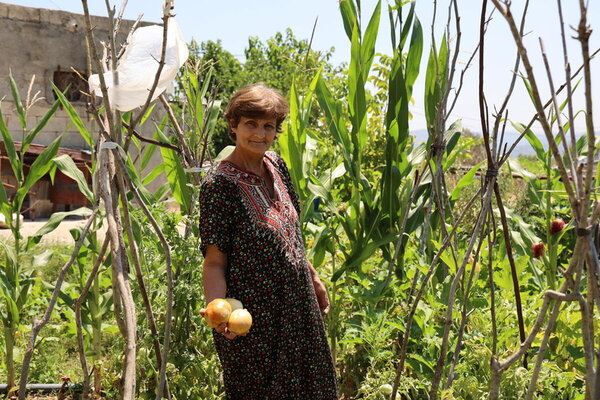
[235,304]
[217,312]
[240,322]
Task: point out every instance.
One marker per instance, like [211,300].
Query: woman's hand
[221,328]
[322,297]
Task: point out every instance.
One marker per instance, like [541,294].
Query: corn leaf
[533,140]
[362,255]
[75,119]
[17,99]
[9,145]
[465,181]
[334,116]
[53,223]
[413,58]
[13,310]
[137,181]
[407,24]
[40,167]
[68,167]
[176,176]
[38,128]
[348,11]
[369,39]
[155,173]
[161,192]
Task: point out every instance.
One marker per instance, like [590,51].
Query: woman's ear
[232,124]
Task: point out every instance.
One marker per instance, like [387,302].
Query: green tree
[275,62]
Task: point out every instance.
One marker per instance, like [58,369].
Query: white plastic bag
[137,67]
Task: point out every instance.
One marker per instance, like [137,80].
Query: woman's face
[255,135]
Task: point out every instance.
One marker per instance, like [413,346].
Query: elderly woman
[254,252]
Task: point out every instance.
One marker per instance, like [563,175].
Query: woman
[253,251]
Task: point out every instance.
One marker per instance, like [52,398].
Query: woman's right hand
[221,328]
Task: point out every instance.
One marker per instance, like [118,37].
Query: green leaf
[13,310]
[75,119]
[17,99]
[9,145]
[40,167]
[155,173]
[348,16]
[10,253]
[363,254]
[407,24]
[66,164]
[161,192]
[53,222]
[224,153]
[147,114]
[533,140]
[38,128]
[147,156]
[133,174]
[369,39]
[516,168]
[465,181]
[413,58]
[334,116]
[42,259]
[176,176]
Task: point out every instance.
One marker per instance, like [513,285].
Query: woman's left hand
[322,297]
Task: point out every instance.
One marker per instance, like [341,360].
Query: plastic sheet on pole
[129,86]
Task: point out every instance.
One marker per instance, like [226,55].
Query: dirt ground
[60,235]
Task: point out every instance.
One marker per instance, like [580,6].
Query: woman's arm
[215,263]
[320,290]
[215,286]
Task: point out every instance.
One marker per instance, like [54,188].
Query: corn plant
[374,211]
[17,279]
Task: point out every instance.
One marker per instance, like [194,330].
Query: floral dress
[285,355]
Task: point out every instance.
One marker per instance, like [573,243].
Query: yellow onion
[235,304]
[217,312]
[240,322]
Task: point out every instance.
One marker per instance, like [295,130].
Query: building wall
[37,42]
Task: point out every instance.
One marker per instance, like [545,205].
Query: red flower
[65,379]
[556,226]
[538,250]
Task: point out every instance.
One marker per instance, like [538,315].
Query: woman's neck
[249,162]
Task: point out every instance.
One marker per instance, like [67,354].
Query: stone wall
[37,42]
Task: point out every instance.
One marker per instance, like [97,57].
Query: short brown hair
[256,101]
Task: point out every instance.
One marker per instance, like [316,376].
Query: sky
[233,21]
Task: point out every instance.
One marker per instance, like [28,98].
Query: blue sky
[233,21]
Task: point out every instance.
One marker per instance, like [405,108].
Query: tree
[276,63]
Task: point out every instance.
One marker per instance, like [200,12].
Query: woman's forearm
[215,286]
[313,272]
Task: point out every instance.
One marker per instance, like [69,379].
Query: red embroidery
[277,215]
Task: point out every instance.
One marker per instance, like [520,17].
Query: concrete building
[48,45]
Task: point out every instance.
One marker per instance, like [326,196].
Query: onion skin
[240,322]
[235,304]
[217,312]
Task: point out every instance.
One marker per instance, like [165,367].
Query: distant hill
[523,148]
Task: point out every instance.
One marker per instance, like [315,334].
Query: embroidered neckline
[257,179]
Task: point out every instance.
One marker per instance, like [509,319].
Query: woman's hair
[256,101]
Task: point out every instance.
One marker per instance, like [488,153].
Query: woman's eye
[270,127]
[251,124]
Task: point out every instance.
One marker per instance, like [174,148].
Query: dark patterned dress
[285,355]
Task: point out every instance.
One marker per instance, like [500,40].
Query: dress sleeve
[287,180]
[218,213]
